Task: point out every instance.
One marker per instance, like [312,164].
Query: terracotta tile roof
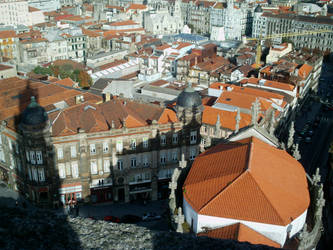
[112,64]
[247,180]
[15,95]
[115,7]
[123,23]
[5,67]
[243,97]
[7,34]
[66,82]
[239,232]
[93,118]
[304,71]
[168,116]
[227,118]
[33,9]
[163,47]
[134,6]
[269,83]
[90,33]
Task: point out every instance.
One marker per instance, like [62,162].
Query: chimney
[107,97]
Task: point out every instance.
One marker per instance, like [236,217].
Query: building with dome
[70,145]
[246,188]
[189,106]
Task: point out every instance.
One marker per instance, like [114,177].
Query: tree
[84,80]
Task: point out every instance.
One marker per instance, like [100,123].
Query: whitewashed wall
[276,233]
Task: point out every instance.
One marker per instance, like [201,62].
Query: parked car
[150,217]
[310,132]
[308,139]
[130,218]
[112,219]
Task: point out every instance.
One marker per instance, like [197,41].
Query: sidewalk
[99,211]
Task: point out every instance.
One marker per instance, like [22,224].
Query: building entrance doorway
[121,194]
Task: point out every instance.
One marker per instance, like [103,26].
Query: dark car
[151,217]
[112,219]
[130,218]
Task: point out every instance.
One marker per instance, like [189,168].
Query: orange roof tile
[304,71]
[123,23]
[269,83]
[7,34]
[134,6]
[33,9]
[239,232]
[248,180]
[227,118]
[168,116]
[66,82]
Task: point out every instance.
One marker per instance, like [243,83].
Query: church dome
[34,114]
[258,9]
[189,98]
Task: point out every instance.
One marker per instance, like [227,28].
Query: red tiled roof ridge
[268,200]
[249,154]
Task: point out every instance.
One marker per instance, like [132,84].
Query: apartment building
[235,19]
[75,148]
[14,12]
[267,23]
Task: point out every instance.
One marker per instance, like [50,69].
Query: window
[133,144]
[192,154]
[75,170]
[193,138]
[62,173]
[34,174]
[93,167]
[145,142]
[0,139]
[163,140]
[32,157]
[92,149]
[39,157]
[29,173]
[12,163]
[133,162]
[78,196]
[18,163]
[60,153]
[162,159]
[106,165]
[73,151]
[147,176]
[119,146]
[41,175]
[175,138]
[120,164]
[2,155]
[10,145]
[174,156]
[105,147]
[145,161]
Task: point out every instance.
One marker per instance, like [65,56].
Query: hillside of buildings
[108,101]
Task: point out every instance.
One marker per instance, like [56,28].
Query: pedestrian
[77,210]
[16,203]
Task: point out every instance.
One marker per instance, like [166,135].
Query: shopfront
[163,189]
[70,192]
[101,190]
[140,191]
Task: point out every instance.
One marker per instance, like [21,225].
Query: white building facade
[14,12]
